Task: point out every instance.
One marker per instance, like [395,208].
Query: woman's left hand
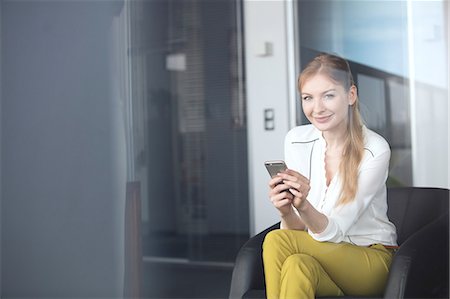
[299,186]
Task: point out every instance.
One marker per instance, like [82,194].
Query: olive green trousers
[298,267]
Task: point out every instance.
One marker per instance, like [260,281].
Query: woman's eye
[329,96]
[306,98]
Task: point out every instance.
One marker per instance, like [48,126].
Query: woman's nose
[318,105]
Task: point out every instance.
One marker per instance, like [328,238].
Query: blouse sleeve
[372,179]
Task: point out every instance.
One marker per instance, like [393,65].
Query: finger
[281,195]
[293,178]
[275,191]
[295,173]
[281,202]
[294,185]
[296,193]
[297,202]
[275,181]
[287,194]
[302,186]
[280,188]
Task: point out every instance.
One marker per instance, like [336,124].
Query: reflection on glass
[372,100]
[373,37]
[373,33]
[188,127]
[187,142]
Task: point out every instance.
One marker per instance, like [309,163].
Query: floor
[189,266]
[178,280]
[200,248]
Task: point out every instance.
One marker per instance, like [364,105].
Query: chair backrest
[411,208]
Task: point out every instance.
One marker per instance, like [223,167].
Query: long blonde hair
[338,70]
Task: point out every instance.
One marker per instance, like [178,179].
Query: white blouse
[363,221]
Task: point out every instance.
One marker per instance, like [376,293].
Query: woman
[335,236]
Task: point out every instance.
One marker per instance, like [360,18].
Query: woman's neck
[335,140]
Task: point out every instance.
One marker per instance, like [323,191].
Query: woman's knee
[281,237]
[273,238]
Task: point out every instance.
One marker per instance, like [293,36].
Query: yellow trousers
[298,267]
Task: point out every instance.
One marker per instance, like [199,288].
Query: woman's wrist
[313,219]
[303,206]
[287,214]
[292,220]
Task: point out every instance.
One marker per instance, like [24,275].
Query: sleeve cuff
[330,233]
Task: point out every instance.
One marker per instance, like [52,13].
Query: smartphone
[275,166]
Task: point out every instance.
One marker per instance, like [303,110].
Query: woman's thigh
[355,269]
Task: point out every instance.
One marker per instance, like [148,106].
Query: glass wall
[376,38]
[188,131]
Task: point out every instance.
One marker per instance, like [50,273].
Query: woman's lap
[355,269]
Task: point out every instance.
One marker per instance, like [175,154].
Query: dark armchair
[419,268]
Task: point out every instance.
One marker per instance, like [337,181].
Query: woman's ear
[352,95]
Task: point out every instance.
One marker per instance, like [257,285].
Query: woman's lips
[322,119]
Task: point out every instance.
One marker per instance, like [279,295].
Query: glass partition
[396,50]
[187,141]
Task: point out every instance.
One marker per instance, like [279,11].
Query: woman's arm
[313,219]
[299,186]
[292,221]
[281,198]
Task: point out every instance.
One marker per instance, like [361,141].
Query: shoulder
[374,144]
[302,134]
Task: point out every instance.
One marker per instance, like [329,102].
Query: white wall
[268,86]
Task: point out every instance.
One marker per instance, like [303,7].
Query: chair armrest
[420,267]
[398,276]
[248,270]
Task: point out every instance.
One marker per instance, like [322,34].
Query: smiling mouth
[322,119]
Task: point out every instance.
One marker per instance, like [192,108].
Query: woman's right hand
[280,196]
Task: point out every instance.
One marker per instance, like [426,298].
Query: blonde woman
[335,237]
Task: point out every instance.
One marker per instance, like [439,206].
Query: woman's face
[325,103]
